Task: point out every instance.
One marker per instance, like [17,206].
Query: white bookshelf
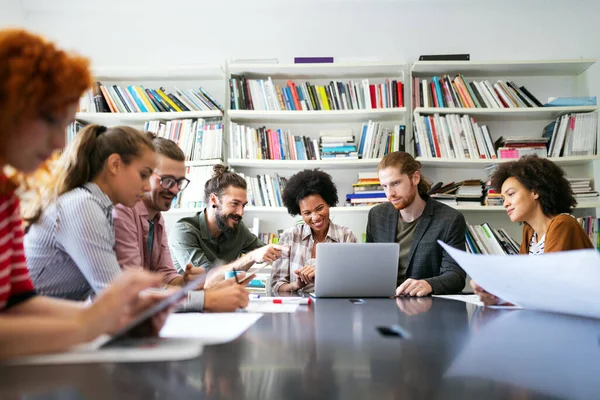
[137,118]
[203,163]
[380,114]
[503,68]
[335,164]
[484,114]
[319,71]
[481,163]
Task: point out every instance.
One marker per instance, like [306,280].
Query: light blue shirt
[70,250]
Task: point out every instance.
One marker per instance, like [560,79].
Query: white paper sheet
[473,299]
[208,328]
[565,282]
[142,350]
[556,355]
[266,307]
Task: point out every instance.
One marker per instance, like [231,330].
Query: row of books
[452,136]
[265,190]
[366,191]
[268,237]
[483,239]
[377,140]
[270,144]
[445,92]
[72,130]
[136,98]
[572,135]
[200,139]
[263,94]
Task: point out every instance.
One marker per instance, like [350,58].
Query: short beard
[222,222]
[407,200]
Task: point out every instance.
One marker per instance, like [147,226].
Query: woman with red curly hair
[40,86]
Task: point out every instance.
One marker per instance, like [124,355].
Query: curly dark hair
[542,176]
[306,183]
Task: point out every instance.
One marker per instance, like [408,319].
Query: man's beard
[222,222]
[406,201]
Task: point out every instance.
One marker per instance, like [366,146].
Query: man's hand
[306,274]
[192,273]
[226,296]
[268,253]
[414,287]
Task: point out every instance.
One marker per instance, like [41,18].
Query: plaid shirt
[299,240]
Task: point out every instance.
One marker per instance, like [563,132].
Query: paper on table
[269,307]
[549,353]
[134,350]
[564,282]
[472,299]
[208,328]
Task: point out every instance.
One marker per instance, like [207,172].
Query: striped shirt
[300,241]
[536,248]
[15,284]
[70,250]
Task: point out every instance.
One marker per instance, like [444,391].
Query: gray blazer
[426,260]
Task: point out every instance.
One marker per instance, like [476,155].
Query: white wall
[12,13]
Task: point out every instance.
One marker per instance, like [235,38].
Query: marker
[254,296]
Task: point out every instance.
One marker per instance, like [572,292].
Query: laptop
[356,269]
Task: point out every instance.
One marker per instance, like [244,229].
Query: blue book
[571,101]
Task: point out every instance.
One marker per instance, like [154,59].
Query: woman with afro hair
[536,193]
[40,87]
[310,194]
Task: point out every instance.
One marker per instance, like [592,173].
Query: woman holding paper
[536,192]
[309,193]
[40,87]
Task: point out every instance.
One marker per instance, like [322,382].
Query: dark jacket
[426,260]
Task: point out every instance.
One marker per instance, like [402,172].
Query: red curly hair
[36,79]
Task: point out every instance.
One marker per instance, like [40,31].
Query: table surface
[335,349]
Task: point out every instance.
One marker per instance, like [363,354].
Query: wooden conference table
[337,349]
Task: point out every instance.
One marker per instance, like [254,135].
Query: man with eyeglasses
[141,241]
[417,222]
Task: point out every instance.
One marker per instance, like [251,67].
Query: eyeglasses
[167,182]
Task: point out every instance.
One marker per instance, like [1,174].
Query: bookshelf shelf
[319,71]
[301,164]
[502,68]
[202,163]
[127,118]
[541,113]
[317,116]
[479,163]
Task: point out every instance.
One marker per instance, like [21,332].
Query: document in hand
[564,282]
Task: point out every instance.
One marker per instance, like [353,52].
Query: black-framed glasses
[167,182]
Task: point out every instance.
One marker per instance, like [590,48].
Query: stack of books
[492,198]
[200,139]
[263,94]
[136,98]
[452,136]
[367,190]
[269,237]
[572,135]
[376,140]
[445,92]
[517,147]
[469,192]
[338,144]
[249,143]
[483,239]
[583,188]
[265,190]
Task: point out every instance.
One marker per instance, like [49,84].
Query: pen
[235,274]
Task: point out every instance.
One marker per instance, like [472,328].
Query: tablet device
[158,307]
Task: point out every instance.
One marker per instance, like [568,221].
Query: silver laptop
[356,269]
